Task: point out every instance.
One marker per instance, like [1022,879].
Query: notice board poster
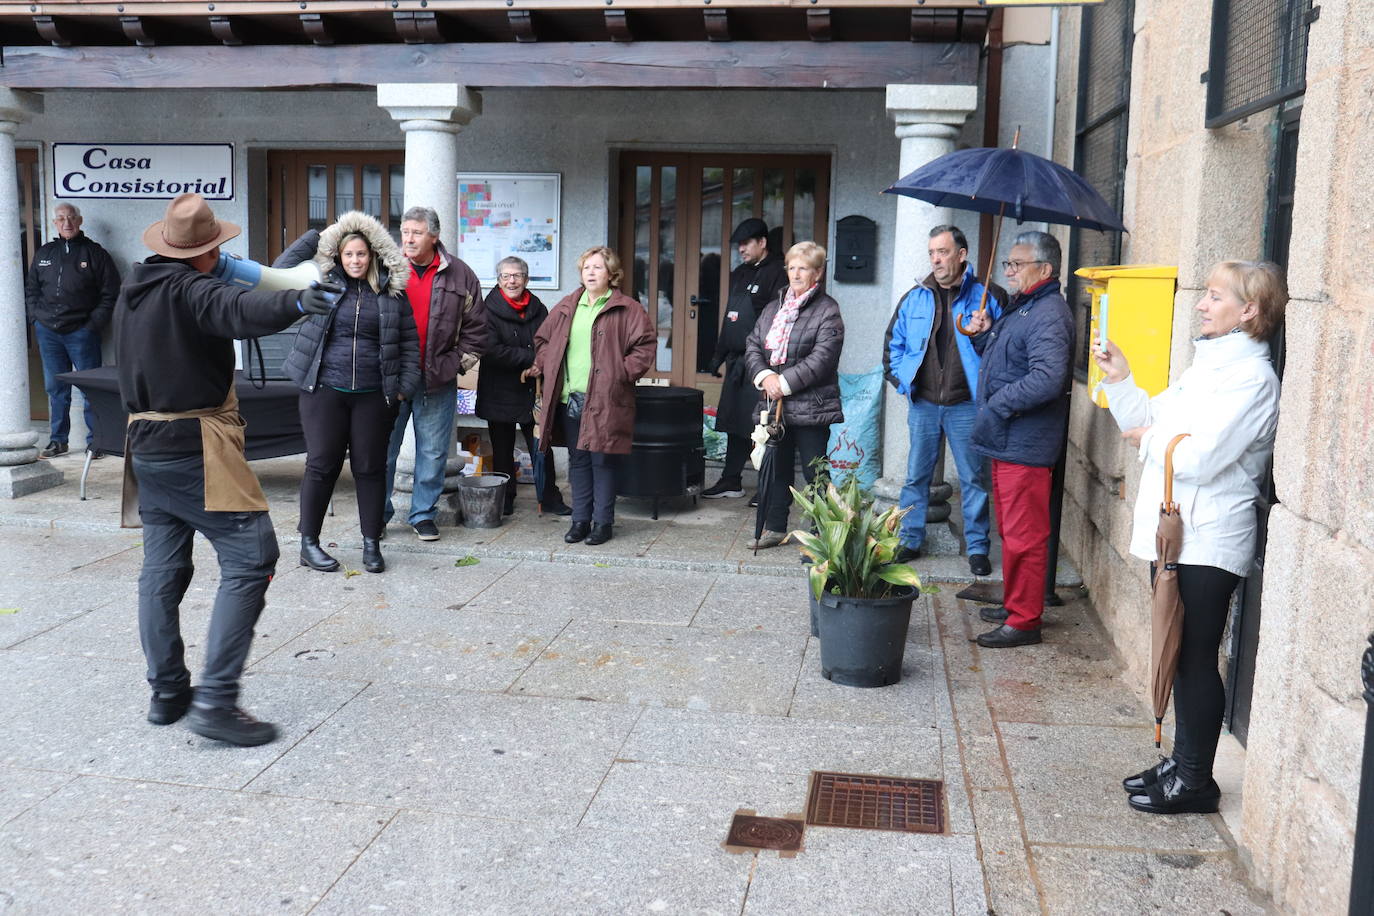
[500,215]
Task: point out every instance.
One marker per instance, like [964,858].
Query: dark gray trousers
[591,476]
[171,503]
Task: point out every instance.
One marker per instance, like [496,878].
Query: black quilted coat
[811,369]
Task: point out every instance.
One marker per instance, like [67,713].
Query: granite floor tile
[1068,780]
[434,863]
[458,752]
[686,801]
[598,592]
[649,665]
[28,609]
[114,846]
[1134,882]
[771,604]
[411,580]
[405,644]
[22,788]
[771,744]
[87,715]
[911,700]
[1012,889]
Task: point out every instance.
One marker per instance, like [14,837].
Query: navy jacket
[1027,367]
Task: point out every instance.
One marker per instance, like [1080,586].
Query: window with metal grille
[1258,56]
[1104,95]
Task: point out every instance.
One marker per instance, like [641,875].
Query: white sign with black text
[143,171]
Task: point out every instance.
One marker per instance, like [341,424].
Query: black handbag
[576,401]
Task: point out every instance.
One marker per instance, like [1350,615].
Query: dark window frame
[1287,54]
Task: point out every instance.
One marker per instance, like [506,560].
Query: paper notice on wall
[510,215]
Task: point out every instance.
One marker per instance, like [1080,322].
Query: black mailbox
[856,249]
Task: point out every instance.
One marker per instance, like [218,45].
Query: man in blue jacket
[936,369]
[1022,408]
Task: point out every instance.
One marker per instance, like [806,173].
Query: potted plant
[863,599]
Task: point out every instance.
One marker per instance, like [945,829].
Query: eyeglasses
[504,277]
[1013,267]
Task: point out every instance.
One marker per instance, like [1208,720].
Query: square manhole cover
[876,802]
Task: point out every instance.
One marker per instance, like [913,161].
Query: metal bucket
[481,498]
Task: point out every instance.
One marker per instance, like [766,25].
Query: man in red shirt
[451,319]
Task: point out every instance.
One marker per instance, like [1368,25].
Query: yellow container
[1135,305]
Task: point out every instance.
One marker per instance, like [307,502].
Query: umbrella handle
[987,278]
[982,309]
[1168,505]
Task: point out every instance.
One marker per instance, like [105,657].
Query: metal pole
[1362,872]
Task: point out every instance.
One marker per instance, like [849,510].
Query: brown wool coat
[623,347]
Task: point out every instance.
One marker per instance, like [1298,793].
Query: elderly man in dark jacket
[69,294]
[1027,365]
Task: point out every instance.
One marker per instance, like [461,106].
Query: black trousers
[335,422]
[805,442]
[591,476]
[503,460]
[171,503]
[1199,694]
[737,449]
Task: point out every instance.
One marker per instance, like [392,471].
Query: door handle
[697,300]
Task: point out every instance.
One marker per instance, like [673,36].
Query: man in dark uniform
[753,284]
[69,294]
[175,328]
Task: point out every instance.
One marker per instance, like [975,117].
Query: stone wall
[1193,197]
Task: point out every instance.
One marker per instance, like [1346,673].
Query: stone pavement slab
[412,580]
[598,592]
[110,845]
[1134,881]
[644,664]
[911,700]
[459,752]
[434,863]
[770,604]
[21,788]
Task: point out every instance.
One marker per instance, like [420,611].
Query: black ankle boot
[1171,796]
[313,555]
[372,555]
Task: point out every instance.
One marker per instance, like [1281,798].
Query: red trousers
[1021,499]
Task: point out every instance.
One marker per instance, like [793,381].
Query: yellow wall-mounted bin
[1136,304]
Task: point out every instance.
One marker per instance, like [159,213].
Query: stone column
[929,119]
[430,115]
[20,471]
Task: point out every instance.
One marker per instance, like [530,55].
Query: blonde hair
[809,253]
[612,263]
[1260,282]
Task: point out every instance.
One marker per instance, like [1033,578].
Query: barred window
[1104,94]
[1258,56]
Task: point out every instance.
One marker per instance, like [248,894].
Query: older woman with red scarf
[793,356]
[505,395]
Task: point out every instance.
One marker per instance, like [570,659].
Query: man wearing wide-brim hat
[185,469]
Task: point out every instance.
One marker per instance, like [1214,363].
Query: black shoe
[53,449]
[1171,796]
[508,509]
[1007,637]
[577,531]
[723,489]
[907,554]
[996,614]
[372,556]
[1140,782]
[599,534]
[754,500]
[426,530]
[95,453]
[979,565]
[166,708]
[314,556]
[562,509]
[232,726]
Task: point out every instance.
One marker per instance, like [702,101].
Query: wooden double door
[309,189]
[677,212]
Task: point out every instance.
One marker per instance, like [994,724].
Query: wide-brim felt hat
[751,228]
[188,229]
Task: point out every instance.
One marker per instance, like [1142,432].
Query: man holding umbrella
[1027,365]
[753,285]
[936,369]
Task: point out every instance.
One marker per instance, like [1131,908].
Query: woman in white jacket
[1227,402]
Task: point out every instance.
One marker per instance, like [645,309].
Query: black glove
[319,299]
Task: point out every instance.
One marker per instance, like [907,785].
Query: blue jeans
[79,349]
[432,413]
[924,421]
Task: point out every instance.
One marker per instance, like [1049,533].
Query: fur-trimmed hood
[393,267]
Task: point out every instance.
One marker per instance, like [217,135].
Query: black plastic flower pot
[863,639]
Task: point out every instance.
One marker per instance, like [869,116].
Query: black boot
[577,531]
[313,555]
[599,534]
[372,555]
[1171,796]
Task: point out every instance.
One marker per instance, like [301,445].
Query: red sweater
[418,291]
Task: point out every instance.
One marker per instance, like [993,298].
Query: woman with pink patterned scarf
[793,356]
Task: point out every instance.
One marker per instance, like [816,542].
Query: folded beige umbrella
[1166,629]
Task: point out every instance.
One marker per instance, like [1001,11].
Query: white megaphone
[248,274]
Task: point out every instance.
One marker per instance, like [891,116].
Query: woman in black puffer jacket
[354,366]
[793,356]
[505,395]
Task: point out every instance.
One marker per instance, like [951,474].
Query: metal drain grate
[748,830]
[876,802]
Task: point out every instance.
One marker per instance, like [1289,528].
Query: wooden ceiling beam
[51,29]
[618,25]
[417,27]
[136,30]
[317,28]
[522,25]
[818,24]
[226,31]
[717,24]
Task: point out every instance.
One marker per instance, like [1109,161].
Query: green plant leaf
[900,574]
[468,560]
[9,610]
[350,573]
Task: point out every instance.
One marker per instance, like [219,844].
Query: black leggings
[335,422]
[1199,694]
[503,459]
